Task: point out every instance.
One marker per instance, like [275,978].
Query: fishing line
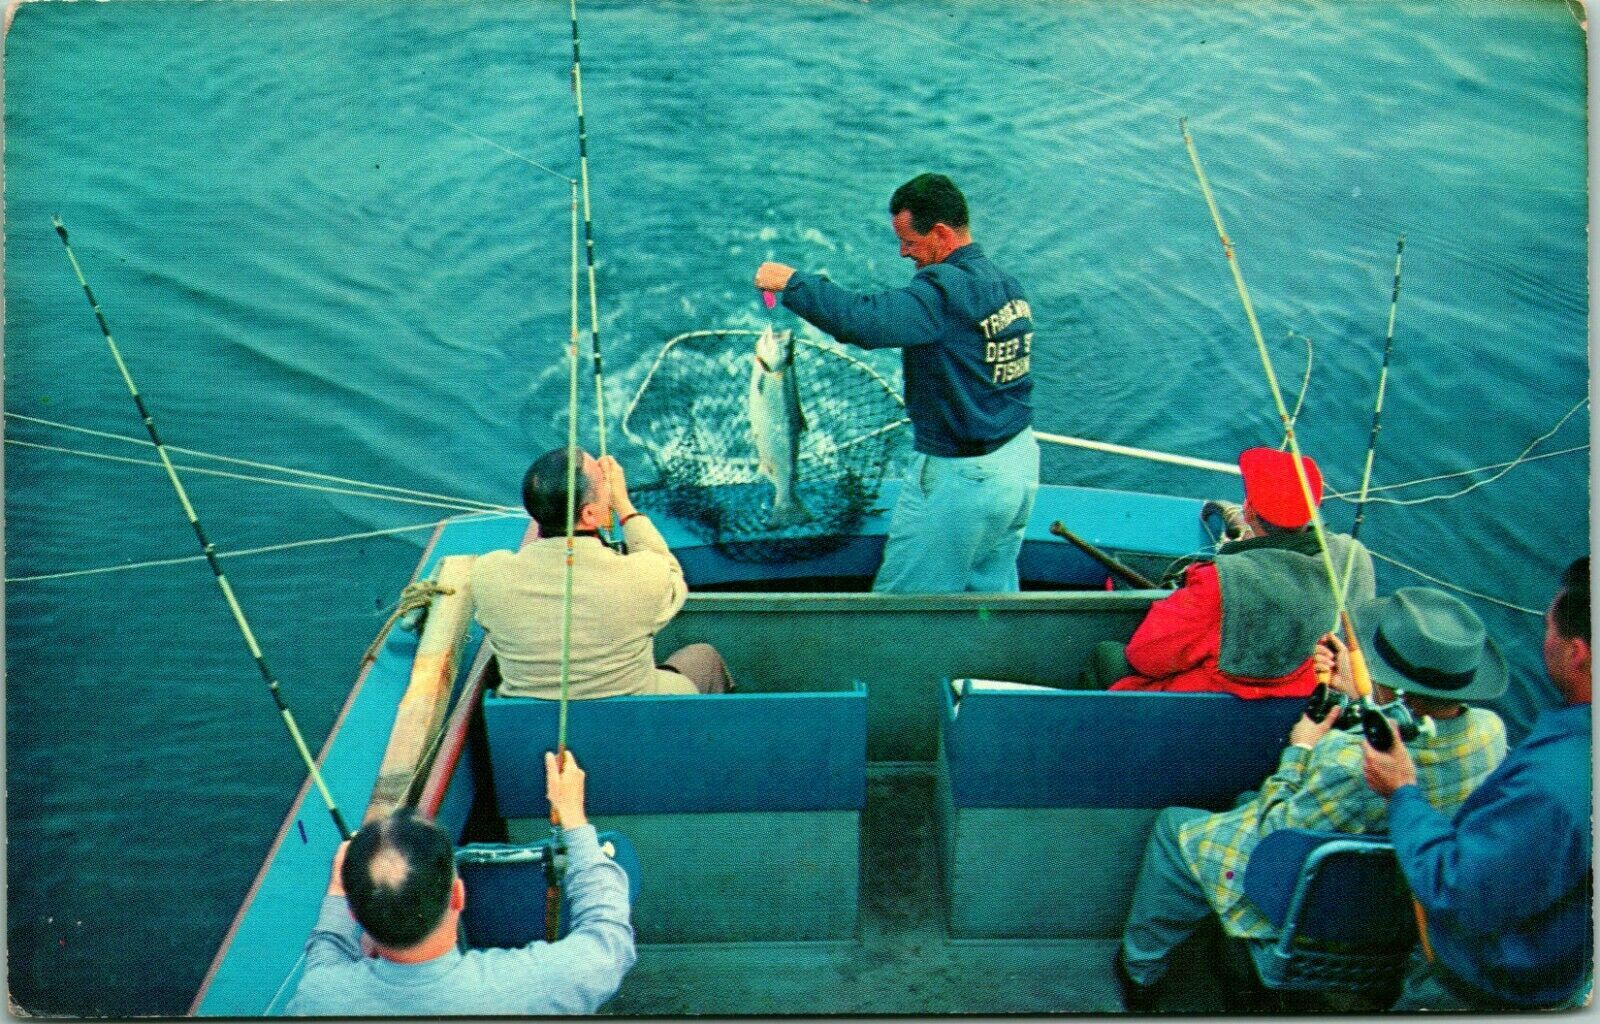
[1512,464]
[1504,468]
[488,141]
[208,550]
[289,470]
[265,550]
[452,506]
[1458,589]
[1305,385]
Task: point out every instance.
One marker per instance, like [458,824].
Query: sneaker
[1136,998]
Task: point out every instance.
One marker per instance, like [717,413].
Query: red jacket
[1175,648]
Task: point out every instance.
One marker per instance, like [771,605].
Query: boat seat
[1342,908]
[751,801]
[506,889]
[1046,792]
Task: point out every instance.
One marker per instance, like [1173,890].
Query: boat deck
[902,962]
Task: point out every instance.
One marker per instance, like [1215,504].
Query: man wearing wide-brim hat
[1427,652]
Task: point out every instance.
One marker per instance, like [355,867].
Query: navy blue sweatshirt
[966,334]
[1506,881]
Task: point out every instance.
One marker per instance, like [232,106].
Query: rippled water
[305,266]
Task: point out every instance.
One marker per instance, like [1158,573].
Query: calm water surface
[304,266]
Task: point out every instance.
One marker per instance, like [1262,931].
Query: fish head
[775,349]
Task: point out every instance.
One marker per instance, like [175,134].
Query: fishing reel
[1229,519]
[1372,719]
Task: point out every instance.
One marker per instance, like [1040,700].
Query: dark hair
[1571,612]
[399,913]
[932,199]
[544,491]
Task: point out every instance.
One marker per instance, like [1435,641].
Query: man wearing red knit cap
[1248,622]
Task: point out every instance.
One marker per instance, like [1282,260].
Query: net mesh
[692,415]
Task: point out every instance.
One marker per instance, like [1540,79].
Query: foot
[1136,998]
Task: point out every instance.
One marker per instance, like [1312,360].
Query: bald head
[397,877]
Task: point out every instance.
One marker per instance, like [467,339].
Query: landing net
[692,415]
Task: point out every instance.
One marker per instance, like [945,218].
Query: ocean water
[305,265]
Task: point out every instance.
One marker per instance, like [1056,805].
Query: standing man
[966,335]
[1506,882]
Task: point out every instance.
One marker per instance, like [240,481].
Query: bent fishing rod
[1373,723]
[206,547]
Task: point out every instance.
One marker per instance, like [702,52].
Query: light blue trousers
[958,523]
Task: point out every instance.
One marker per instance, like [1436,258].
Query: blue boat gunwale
[297,805]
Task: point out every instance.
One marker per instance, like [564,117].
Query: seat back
[676,754]
[1342,908]
[506,889]
[1331,887]
[1082,748]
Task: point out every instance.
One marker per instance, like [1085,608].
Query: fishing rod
[552,895]
[1377,414]
[588,230]
[206,547]
[1373,722]
[1132,575]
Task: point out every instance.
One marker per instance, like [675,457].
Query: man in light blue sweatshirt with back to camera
[396,883]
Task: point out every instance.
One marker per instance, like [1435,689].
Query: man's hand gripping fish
[777,422]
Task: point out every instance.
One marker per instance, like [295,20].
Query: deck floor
[902,961]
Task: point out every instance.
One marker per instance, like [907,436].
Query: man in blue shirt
[396,883]
[1505,884]
[965,332]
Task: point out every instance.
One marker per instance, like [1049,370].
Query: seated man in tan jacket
[619,602]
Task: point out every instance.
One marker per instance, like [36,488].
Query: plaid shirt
[1323,789]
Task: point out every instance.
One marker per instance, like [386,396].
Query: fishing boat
[898,812]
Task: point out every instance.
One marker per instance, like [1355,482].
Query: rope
[414,596]
[453,506]
[206,547]
[288,470]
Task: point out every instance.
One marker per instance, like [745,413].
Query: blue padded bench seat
[742,807]
[1048,794]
